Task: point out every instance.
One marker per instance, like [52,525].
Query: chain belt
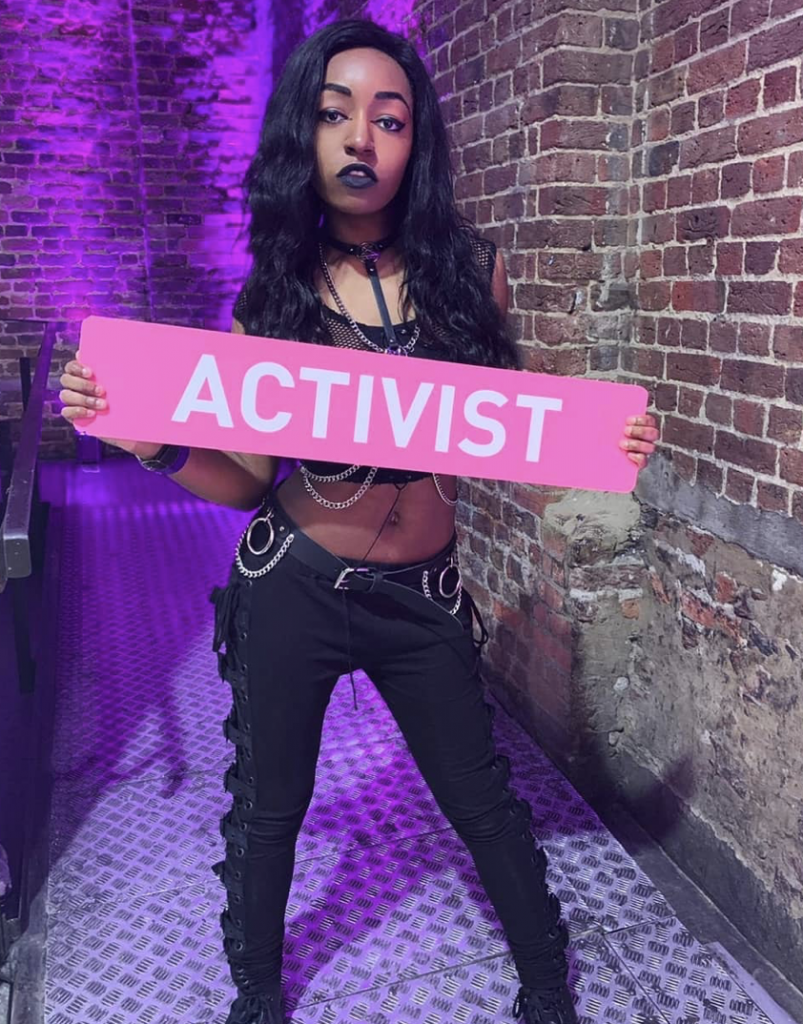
[441,573]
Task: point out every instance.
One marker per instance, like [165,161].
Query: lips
[357,170]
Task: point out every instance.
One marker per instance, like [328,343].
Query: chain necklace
[401,350]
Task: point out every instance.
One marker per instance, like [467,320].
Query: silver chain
[442,493]
[428,592]
[305,474]
[253,574]
[407,349]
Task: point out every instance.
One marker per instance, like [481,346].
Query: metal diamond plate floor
[387,922]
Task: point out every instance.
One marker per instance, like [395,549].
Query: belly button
[394,518]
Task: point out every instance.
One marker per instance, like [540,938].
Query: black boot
[258,1009]
[552,1006]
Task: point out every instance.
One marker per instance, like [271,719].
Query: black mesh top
[342,336]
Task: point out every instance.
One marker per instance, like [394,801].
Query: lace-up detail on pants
[232,613]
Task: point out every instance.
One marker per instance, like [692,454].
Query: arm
[499,283]
[234,479]
[225,478]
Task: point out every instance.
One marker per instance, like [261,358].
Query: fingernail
[98,389]
[100,403]
[87,372]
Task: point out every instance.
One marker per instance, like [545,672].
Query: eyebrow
[384,95]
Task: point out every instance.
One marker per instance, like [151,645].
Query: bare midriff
[420,525]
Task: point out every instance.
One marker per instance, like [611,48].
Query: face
[364,118]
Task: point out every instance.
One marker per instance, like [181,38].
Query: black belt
[407,584]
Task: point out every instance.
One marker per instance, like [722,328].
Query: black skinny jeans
[286,645]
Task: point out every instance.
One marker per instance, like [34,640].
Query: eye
[325,116]
[390,124]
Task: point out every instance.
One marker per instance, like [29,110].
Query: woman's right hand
[82,397]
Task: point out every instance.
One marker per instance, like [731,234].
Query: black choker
[366,251]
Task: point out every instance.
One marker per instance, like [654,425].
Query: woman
[347,565]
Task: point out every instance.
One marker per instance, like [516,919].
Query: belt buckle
[361,572]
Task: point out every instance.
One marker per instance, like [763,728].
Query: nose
[360,139]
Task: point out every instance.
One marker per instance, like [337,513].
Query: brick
[759,257]
[714,29]
[748,452]
[683,118]
[686,42]
[537,234]
[675,262]
[730,258]
[794,173]
[719,68]
[752,378]
[782,42]
[771,497]
[709,147]
[742,99]
[794,387]
[694,334]
[785,424]
[666,87]
[710,109]
[748,15]
[709,475]
[573,201]
[702,222]
[701,259]
[682,433]
[690,402]
[547,298]
[772,132]
[693,369]
[699,296]
[739,486]
[754,338]
[654,196]
[791,259]
[653,295]
[780,86]
[736,180]
[768,174]
[678,191]
[666,397]
[719,409]
[722,336]
[574,66]
[621,33]
[663,158]
[773,298]
[779,216]
[644,362]
[748,417]
[791,465]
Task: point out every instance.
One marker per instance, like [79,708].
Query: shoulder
[485,252]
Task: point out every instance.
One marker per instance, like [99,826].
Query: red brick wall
[640,164]
[718,169]
[539,98]
[125,132]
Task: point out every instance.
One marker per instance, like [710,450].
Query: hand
[641,434]
[82,397]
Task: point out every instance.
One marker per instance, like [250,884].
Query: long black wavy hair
[445,285]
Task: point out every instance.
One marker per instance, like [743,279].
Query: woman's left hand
[641,433]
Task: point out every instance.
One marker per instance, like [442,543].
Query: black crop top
[343,336]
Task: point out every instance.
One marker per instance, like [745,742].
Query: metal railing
[22,544]
[16,551]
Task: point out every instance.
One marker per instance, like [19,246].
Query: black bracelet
[168,460]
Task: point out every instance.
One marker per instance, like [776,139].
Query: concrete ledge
[769,535]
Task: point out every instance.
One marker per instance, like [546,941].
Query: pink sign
[233,392]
